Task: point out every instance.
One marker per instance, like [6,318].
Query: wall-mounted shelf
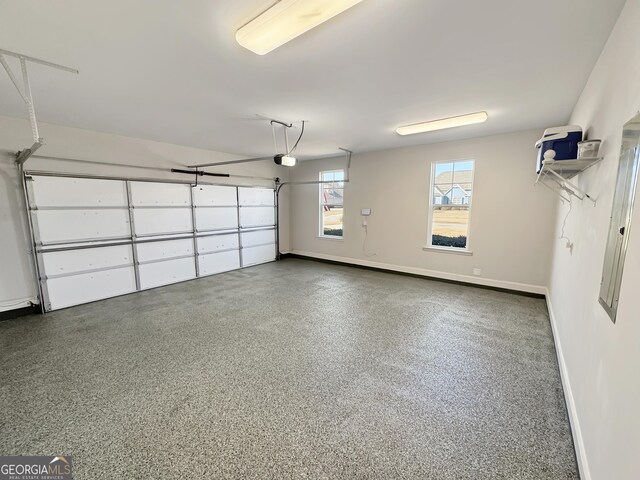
[555,175]
[569,168]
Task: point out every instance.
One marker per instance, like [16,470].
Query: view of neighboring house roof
[458,189]
[458,177]
[439,191]
[453,188]
[333,197]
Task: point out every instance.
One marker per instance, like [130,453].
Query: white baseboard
[581,455]
[18,303]
[520,287]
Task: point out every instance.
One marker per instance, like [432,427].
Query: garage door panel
[77,192]
[153,251]
[216,243]
[151,194]
[74,261]
[158,221]
[256,255]
[214,195]
[70,225]
[88,287]
[259,237]
[257,217]
[255,196]
[213,263]
[216,218]
[88,225]
[166,272]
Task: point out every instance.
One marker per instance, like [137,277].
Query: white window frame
[430,217]
[321,205]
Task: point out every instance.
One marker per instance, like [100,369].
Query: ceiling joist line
[25,93]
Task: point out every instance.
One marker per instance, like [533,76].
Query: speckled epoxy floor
[292,369]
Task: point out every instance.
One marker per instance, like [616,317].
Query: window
[331,203]
[451,193]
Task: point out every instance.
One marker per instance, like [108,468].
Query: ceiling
[171,70]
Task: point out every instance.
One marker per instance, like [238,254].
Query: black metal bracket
[199,173]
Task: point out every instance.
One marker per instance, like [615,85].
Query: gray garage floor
[290,370]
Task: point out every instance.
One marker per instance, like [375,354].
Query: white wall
[17,284]
[602,360]
[511,219]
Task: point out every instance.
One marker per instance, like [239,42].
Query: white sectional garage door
[98,238]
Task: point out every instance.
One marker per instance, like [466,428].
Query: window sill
[329,237]
[455,251]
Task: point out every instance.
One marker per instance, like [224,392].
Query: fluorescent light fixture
[443,123]
[285,160]
[286,20]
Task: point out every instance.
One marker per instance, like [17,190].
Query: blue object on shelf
[558,143]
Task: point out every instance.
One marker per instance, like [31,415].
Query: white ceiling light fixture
[442,123]
[286,20]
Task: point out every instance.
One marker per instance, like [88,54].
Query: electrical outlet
[477,272]
[365,212]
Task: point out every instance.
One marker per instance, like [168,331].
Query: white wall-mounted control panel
[365,212]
